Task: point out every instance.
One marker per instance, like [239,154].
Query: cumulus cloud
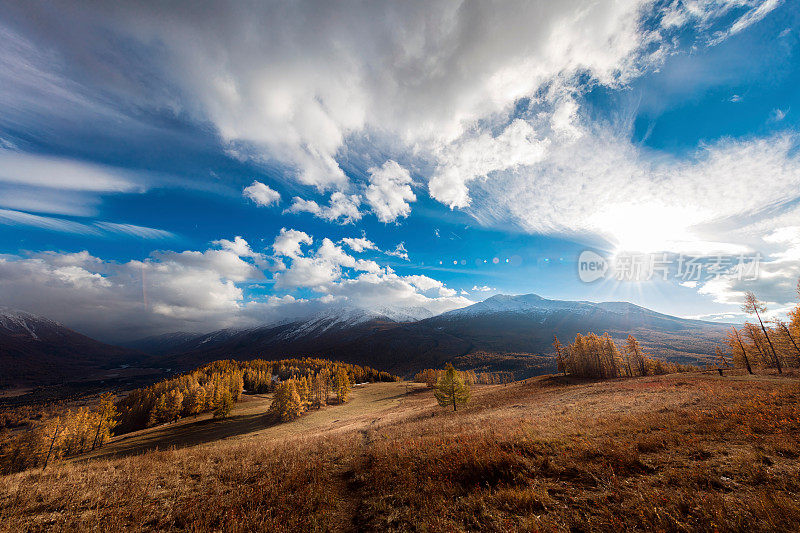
[359,244]
[424,283]
[261,194]
[389,191]
[342,208]
[288,242]
[111,300]
[204,290]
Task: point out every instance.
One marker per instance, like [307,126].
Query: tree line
[295,396]
[598,357]
[430,376]
[212,388]
[71,432]
[764,343]
[217,386]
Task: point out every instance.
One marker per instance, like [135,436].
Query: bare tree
[738,340]
[786,331]
[753,306]
[559,355]
[56,433]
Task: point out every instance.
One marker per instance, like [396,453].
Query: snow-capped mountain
[27,325]
[328,321]
[535,305]
[502,332]
[35,349]
[524,303]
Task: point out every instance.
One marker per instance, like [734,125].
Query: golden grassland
[684,452]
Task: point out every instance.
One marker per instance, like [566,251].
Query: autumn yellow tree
[106,419]
[286,405]
[224,404]
[342,384]
[450,389]
[634,356]
[174,405]
[559,348]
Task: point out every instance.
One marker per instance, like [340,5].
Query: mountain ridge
[35,349]
[504,332]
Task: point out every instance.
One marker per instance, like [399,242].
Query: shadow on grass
[184,434]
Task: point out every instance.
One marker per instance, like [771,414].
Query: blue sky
[137,143]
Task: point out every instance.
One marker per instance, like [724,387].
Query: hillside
[35,350]
[501,333]
[686,452]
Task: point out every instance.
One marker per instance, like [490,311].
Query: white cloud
[424,283]
[332,272]
[238,245]
[399,251]
[261,194]
[477,157]
[342,208]
[483,288]
[61,173]
[600,184]
[777,115]
[359,244]
[754,15]
[94,229]
[389,191]
[133,230]
[268,79]
[203,290]
[57,185]
[288,242]
[18,218]
[380,291]
[167,291]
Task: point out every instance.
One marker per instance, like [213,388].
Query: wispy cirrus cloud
[98,228]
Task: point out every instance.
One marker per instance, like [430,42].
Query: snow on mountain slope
[524,303]
[21,323]
[35,349]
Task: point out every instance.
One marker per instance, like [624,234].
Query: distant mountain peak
[507,303]
[19,322]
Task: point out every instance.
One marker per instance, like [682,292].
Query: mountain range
[36,350]
[500,333]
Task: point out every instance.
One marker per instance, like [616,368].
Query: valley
[502,333]
[671,452]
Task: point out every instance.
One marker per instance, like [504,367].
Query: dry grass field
[685,452]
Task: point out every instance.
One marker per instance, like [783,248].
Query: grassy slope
[680,452]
